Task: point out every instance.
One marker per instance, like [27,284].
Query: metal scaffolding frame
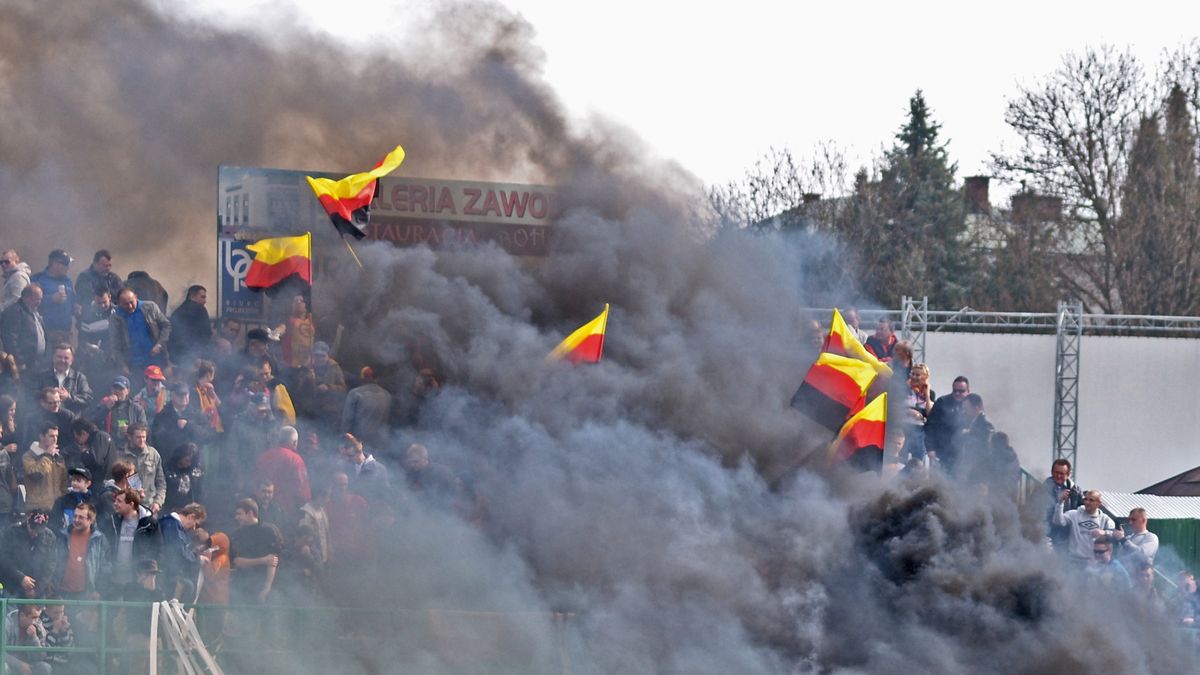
[914,323]
[1068,336]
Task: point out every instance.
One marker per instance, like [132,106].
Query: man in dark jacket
[22,331]
[74,391]
[133,533]
[175,425]
[29,547]
[115,413]
[946,417]
[971,443]
[58,309]
[191,328]
[148,288]
[99,275]
[90,448]
[49,410]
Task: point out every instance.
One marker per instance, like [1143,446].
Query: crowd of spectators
[126,431]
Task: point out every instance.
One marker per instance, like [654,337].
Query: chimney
[975,190]
[1029,208]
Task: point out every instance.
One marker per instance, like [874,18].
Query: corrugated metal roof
[1119,504]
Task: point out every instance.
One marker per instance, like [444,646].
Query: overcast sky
[714,86]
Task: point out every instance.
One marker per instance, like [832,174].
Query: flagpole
[352,253]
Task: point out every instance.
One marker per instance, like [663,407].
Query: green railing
[317,638]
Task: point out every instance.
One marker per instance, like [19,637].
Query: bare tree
[778,184]
[1077,127]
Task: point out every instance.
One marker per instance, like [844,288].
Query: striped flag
[834,388]
[348,201]
[861,439]
[586,344]
[279,258]
[842,341]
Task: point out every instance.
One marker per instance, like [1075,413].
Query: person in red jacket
[284,467]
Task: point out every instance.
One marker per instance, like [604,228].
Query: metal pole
[104,638]
[914,324]
[1068,334]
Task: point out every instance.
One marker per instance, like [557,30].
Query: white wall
[1137,409]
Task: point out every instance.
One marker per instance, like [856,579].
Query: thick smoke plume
[637,499]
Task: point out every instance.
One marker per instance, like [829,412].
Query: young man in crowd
[149,467]
[83,555]
[254,550]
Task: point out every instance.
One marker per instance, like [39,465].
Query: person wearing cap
[252,431]
[84,562]
[147,589]
[22,331]
[90,448]
[191,327]
[153,397]
[16,278]
[329,382]
[79,490]
[179,423]
[29,549]
[258,348]
[139,332]
[115,413]
[58,303]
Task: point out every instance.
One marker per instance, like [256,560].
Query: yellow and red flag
[586,344]
[279,258]
[348,201]
[842,341]
[862,437]
[834,388]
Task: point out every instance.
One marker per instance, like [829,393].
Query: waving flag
[861,439]
[279,258]
[834,388]
[586,344]
[348,201]
[841,341]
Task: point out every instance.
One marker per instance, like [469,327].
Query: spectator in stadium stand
[251,431]
[10,375]
[45,471]
[152,397]
[98,275]
[1102,571]
[351,541]
[83,555]
[997,469]
[231,330]
[205,400]
[1053,488]
[94,318]
[149,467]
[58,293]
[22,331]
[29,548]
[366,410]
[178,558]
[814,335]
[16,278]
[314,516]
[185,477]
[179,424]
[254,549]
[147,588]
[23,628]
[1184,603]
[139,332]
[258,349]
[297,334]
[147,287]
[1087,524]
[79,490]
[902,363]
[10,461]
[425,387]
[971,442]
[368,477]
[115,413]
[855,324]
[132,531]
[329,382]
[893,456]
[215,566]
[432,482]
[74,391]
[89,448]
[281,398]
[191,328]
[917,402]
[49,410]
[268,508]
[1143,578]
[883,343]
[946,417]
[286,469]
[1139,545]
[123,475]
[58,633]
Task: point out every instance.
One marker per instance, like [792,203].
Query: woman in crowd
[185,478]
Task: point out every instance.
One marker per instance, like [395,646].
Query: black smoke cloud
[637,497]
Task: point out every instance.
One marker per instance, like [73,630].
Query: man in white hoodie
[16,278]
[1087,523]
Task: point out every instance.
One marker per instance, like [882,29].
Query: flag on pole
[862,437]
[842,341]
[834,388]
[586,344]
[348,201]
[279,258]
